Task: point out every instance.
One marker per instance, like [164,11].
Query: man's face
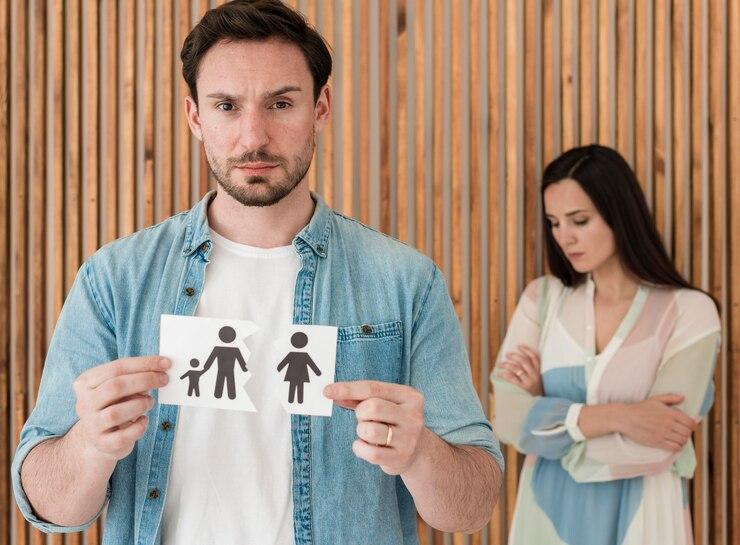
[257,118]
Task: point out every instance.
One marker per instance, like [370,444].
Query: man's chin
[256,191]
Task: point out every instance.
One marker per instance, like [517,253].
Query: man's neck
[262,226]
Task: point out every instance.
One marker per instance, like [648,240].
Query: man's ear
[191,111]
[322,109]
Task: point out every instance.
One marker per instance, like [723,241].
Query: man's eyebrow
[283,90]
[223,96]
[269,94]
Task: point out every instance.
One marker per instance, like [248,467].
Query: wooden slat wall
[446,112]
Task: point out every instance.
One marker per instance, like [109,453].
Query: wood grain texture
[94,144]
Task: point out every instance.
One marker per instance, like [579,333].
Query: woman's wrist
[598,420]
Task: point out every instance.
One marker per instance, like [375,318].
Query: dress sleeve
[686,367]
[541,425]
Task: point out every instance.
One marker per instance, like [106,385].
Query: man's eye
[280,105]
[225,106]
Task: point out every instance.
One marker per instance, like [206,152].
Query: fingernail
[163,379]
[328,390]
[165,363]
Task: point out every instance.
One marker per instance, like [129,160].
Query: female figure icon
[298,364]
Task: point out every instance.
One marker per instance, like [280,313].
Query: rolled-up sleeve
[83,337]
[440,370]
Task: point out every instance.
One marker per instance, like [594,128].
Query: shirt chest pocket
[370,352]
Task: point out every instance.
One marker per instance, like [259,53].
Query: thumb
[669,399]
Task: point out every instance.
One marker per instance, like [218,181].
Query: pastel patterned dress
[608,490]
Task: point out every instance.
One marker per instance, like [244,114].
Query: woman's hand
[655,423]
[522,368]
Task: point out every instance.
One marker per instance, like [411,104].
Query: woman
[605,370]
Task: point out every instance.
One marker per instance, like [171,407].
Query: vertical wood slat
[181,166]
[37,239]
[401,125]
[731,260]
[166,109]
[18,236]
[6,137]
[634,79]
[495,162]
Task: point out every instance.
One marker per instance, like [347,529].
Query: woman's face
[577,227]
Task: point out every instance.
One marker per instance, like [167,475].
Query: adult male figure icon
[225,357]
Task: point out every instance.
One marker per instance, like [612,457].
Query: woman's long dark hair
[612,186]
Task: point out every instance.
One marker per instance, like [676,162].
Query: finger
[122,438]
[347,404]
[512,367]
[525,363]
[374,433]
[508,376]
[671,445]
[123,413]
[379,410]
[683,429]
[677,437]
[361,390]
[374,454]
[669,399]
[92,378]
[684,419]
[119,387]
[531,354]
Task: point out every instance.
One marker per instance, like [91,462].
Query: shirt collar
[315,234]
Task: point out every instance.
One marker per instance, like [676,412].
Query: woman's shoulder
[543,287]
[692,309]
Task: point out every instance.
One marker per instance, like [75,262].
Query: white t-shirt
[231,471]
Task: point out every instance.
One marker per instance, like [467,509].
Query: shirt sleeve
[440,370]
[83,337]
[687,368]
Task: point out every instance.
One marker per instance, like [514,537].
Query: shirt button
[166,425]
[320,249]
[189,291]
[366,329]
[205,247]
[154,494]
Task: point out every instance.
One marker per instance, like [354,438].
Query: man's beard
[258,190]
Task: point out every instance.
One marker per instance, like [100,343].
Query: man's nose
[253,130]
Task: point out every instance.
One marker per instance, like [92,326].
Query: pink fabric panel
[630,374]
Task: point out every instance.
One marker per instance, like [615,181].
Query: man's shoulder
[379,247]
[146,242]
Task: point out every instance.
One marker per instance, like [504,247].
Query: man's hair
[257,20]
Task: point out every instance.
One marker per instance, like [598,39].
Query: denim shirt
[396,324]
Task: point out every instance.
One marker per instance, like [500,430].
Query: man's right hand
[112,400]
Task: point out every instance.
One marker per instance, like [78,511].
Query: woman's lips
[575,255]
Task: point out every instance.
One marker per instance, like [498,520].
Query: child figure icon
[298,364]
[193,377]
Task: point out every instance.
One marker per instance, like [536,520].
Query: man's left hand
[390,421]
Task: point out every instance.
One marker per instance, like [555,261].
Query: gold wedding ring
[389,436]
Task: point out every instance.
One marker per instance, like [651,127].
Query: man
[408,431]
